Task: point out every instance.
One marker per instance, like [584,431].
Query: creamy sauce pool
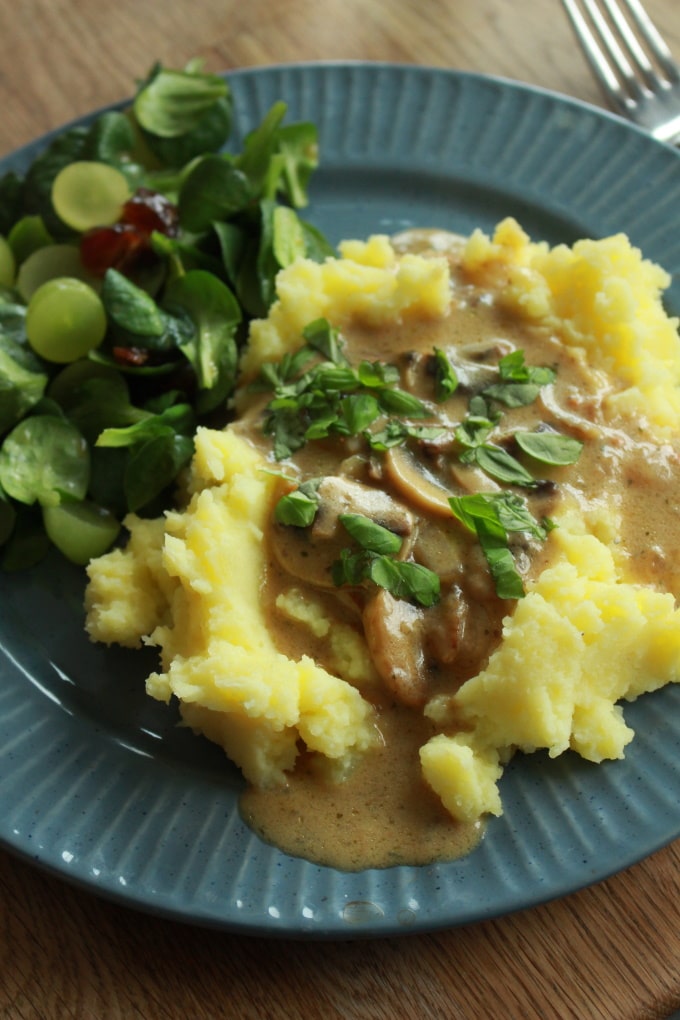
[384,814]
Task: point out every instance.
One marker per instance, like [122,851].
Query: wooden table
[611,951]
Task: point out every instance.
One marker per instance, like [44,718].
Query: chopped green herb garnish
[369,535]
[296,509]
[405,580]
[492,517]
[313,399]
[499,464]
[519,383]
[445,378]
[375,562]
[549,447]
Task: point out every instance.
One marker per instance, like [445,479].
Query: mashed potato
[591,631]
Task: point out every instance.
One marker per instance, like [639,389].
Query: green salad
[133,253]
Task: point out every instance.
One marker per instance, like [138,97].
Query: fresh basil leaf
[473,431]
[287,431]
[481,513]
[325,339]
[512,367]
[396,401]
[334,379]
[550,447]
[519,383]
[377,374]
[445,378]
[513,394]
[394,433]
[499,464]
[297,509]
[358,411]
[349,569]
[405,580]
[369,535]
[514,515]
[507,580]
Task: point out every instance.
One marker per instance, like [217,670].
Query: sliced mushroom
[446,624]
[472,479]
[438,547]
[309,553]
[393,631]
[339,495]
[419,488]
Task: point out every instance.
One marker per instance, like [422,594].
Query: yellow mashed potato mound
[602,296]
[581,641]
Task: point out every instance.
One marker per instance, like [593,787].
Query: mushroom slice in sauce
[338,495]
[393,632]
[309,553]
[412,482]
[407,644]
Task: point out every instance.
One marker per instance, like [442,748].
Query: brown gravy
[384,814]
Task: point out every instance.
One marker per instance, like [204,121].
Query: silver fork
[631,62]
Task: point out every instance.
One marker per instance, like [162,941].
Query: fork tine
[628,36]
[592,50]
[616,54]
[631,63]
[648,33]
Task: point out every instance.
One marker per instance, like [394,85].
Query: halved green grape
[87,194]
[80,531]
[65,319]
[48,263]
[7,264]
[27,235]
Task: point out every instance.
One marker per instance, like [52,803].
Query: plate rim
[376,926]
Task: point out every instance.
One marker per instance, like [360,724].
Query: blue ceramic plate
[97,783]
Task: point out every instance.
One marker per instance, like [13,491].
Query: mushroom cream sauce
[372,724]
[383,813]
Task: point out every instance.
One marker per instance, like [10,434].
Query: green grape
[7,264]
[27,235]
[80,531]
[46,264]
[86,194]
[65,319]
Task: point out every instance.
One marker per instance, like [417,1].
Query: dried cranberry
[126,245]
[148,210]
[130,355]
[104,247]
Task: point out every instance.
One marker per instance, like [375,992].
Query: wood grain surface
[611,951]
